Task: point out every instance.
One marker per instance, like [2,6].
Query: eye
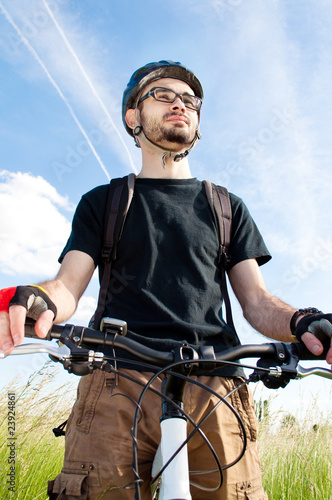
[164,95]
[188,99]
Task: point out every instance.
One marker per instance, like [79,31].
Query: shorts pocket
[69,487]
[243,402]
[251,490]
[89,392]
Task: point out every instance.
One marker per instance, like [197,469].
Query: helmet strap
[180,156]
[136,132]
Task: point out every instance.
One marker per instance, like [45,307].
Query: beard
[158,133]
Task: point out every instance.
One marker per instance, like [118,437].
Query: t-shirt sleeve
[88,223]
[246,240]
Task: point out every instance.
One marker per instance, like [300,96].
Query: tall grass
[39,407]
[296,457]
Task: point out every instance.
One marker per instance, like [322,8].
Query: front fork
[174,481]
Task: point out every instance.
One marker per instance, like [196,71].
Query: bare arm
[70,283]
[64,290]
[266,313]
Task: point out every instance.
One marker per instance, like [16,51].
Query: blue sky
[266,69]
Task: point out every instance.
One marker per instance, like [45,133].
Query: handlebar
[277,360]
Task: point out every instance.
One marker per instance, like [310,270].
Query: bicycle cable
[146,387]
[196,426]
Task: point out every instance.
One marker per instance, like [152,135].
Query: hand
[16,304]
[315,331]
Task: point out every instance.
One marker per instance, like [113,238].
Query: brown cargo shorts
[99,445]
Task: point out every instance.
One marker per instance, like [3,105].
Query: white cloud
[33,230]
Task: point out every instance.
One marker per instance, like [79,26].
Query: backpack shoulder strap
[120,195]
[220,204]
[219,201]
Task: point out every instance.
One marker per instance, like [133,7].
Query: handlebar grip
[29,330]
[300,350]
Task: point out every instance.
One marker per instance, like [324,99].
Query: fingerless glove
[32,297]
[317,323]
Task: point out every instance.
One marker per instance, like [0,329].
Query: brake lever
[316,370]
[62,352]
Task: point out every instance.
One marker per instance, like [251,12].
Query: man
[172,293]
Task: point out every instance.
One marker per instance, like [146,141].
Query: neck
[152,166]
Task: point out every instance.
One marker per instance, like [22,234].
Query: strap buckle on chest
[106,254]
[224,259]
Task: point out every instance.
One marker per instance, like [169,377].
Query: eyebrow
[167,88]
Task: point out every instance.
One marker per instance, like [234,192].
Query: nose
[178,104]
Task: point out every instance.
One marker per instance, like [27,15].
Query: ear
[130,118]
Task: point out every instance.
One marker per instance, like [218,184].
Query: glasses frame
[151,93]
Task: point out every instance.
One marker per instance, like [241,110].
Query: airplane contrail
[87,78]
[55,85]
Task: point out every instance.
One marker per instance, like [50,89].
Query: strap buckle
[106,254]
[224,258]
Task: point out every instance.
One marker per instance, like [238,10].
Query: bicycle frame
[172,456]
[174,482]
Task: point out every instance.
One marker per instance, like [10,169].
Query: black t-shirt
[165,281]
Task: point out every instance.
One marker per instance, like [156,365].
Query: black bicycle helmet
[151,72]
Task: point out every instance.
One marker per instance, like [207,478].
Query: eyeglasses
[169,96]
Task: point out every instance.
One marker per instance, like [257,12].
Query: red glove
[32,297]
[6,296]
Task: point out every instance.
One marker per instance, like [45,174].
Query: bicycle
[278,363]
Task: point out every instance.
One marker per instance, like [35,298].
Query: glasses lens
[190,101]
[167,95]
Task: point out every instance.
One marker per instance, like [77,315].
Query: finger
[312,343]
[17,315]
[44,323]
[329,355]
[6,340]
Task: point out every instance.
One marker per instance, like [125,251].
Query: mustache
[174,113]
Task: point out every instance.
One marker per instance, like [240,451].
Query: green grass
[296,458]
[38,454]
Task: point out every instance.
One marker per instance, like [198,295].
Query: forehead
[170,83]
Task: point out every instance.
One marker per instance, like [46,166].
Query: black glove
[319,324]
[34,299]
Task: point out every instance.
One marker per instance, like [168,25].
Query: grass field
[296,458]
[30,455]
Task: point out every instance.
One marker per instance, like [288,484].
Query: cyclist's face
[168,124]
